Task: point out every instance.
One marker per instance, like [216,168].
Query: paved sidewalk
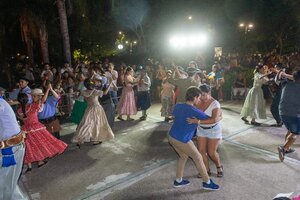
[140,164]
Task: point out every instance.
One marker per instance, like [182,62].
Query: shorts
[213,133]
[291,123]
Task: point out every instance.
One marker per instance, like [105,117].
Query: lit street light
[247,27]
[190,17]
[120,46]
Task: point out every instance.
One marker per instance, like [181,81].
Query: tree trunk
[64,29]
[26,36]
[44,43]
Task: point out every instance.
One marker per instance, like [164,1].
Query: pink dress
[40,144]
[127,105]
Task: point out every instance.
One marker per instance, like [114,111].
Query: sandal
[220,173]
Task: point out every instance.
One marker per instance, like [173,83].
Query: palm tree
[64,29]
[43,34]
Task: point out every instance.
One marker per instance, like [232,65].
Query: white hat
[37,91]
[98,77]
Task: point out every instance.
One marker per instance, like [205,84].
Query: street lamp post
[131,43]
[247,28]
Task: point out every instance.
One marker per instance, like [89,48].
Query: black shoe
[28,169]
[276,125]
[78,145]
[245,120]
[41,165]
[143,118]
[255,123]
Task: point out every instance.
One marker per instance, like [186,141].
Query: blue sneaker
[211,186]
[181,184]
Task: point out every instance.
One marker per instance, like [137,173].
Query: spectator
[143,94]
[113,75]
[167,97]
[239,88]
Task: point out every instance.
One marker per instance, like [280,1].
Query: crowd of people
[95,92]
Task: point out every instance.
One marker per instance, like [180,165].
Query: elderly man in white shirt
[143,95]
[113,75]
[12,153]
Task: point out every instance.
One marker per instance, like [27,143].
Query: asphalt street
[140,164]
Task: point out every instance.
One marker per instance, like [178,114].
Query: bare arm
[54,93]
[216,117]
[44,98]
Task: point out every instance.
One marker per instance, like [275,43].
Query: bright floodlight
[190,18]
[120,46]
[188,41]
[242,25]
[250,25]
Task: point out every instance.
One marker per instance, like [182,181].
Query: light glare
[188,41]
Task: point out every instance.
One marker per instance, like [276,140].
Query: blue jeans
[114,97]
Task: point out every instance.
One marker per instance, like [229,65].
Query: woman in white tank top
[209,135]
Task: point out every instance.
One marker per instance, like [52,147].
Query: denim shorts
[213,133]
[291,123]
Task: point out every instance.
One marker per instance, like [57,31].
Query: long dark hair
[23,100]
[258,67]
[89,84]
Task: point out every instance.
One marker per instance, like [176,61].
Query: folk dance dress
[40,144]
[254,105]
[94,126]
[127,104]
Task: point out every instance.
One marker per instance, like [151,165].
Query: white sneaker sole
[178,186]
[210,189]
